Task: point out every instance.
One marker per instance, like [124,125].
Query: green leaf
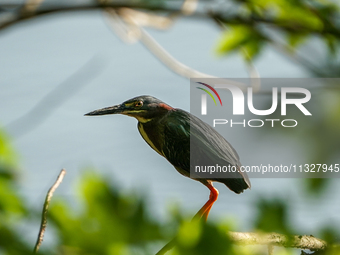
[294,39]
[251,49]
[8,158]
[109,222]
[232,39]
[240,37]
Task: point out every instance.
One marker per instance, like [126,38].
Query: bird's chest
[152,136]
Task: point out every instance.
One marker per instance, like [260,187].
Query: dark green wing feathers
[177,151]
[207,146]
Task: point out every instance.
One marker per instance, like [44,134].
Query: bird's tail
[238,184]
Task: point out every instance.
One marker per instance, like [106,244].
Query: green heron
[174,133]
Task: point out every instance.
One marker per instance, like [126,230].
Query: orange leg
[204,211]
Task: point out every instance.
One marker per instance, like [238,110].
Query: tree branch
[131,31]
[270,239]
[45,210]
[273,239]
[173,9]
[24,15]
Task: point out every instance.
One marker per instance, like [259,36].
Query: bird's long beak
[107,110]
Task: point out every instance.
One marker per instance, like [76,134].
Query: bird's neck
[151,133]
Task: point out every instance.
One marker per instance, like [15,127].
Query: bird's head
[143,108]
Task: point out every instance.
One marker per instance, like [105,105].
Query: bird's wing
[176,148]
[184,133]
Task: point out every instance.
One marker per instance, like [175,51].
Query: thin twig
[167,247]
[45,210]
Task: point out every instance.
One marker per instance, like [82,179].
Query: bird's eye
[139,104]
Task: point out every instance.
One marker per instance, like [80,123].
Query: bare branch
[155,48]
[133,32]
[274,239]
[270,239]
[189,7]
[146,19]
[45,210]
[17,17]
[127,35]
[31,6]
[219,14]
[132,17]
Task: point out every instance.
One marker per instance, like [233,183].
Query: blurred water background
[38,62]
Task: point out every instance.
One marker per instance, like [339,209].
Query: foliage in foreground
[107,221]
